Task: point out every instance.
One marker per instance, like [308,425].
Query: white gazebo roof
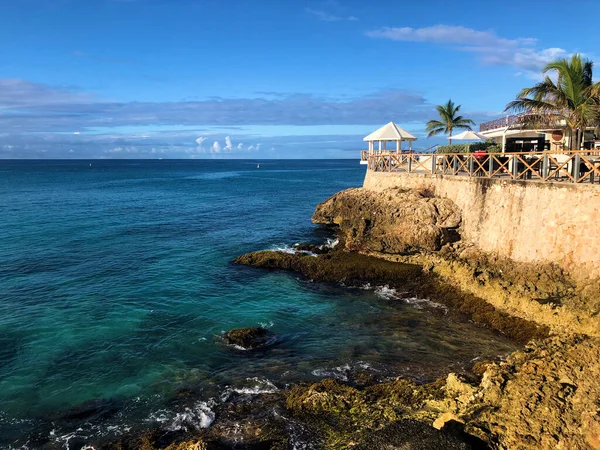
[468,135]
[390,132]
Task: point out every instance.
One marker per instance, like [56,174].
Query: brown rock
[393,221]
[546,397]
[248,338]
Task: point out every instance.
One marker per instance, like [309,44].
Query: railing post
[515,167]
[444,164]
[490,165]
[576,167]
[433,164]
[471,165]
[409,163]
[454,165]
[545,167]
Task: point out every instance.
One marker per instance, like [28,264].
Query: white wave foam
[386,292]
[199,416]
[331,243]
[259,386]
[340,372]
[268,324]
[239,347]
[420,303]
[290,250]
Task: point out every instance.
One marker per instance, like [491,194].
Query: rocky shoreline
[546,395]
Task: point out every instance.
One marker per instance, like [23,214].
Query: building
[514,136]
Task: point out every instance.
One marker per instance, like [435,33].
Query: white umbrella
[468,136]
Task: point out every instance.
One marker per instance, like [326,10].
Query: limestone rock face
[545,397]
[394,221]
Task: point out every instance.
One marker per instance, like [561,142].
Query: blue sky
[263,78]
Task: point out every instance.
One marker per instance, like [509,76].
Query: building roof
[390,132]
[510,133]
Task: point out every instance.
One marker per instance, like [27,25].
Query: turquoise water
[116,282]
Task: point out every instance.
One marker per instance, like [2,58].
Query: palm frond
[449,119]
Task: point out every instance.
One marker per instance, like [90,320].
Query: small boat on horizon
[258,166]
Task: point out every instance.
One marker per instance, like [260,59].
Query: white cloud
[492,49]
[18,93]
[216,147]
[240,146]
[200,140]
[447,34]
[328,17]
[228,144]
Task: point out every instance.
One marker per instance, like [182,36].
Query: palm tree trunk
[450,138]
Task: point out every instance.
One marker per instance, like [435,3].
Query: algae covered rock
[410,434]
[337,266]
[343,415]
[394,221]
[249,338]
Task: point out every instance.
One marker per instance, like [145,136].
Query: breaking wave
[256,387]
[193,418]
[290,250]
[388,293]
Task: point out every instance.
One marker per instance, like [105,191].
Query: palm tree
[572,101]
[449,120]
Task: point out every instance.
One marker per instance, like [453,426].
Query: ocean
[116,283]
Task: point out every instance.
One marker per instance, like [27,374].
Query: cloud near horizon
[520,53]
[41,121]
[33,107]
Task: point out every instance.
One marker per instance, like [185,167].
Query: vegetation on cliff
[573,99]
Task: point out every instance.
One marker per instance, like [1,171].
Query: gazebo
[389,132]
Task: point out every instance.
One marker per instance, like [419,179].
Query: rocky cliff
[414,226]
[546,396]
[395,221]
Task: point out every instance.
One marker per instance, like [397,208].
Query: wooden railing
[573,166]
[364,154]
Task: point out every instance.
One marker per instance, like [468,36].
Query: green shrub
[454,148]
[488,146]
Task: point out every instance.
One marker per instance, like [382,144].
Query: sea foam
[193,418]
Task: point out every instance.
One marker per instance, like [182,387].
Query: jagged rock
[249,338]
[546,396]
[393,221]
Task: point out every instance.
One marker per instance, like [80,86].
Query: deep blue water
[116,281]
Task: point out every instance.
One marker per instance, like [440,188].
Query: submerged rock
[394,221]
[249,338]
[90,410]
